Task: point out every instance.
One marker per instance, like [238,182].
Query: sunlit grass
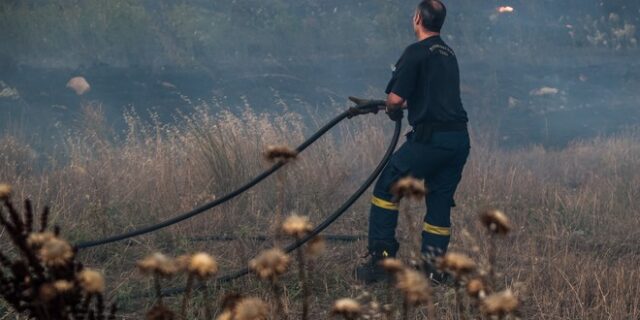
[571,251]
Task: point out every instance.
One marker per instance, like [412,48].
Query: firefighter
[426,82]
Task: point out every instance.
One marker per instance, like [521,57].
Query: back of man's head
[432,13]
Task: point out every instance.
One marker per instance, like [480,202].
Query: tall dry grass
[574,253]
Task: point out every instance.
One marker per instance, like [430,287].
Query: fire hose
[362,107]
[328,221]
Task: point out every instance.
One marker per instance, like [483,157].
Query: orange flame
[505,9]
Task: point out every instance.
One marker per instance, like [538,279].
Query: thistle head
[476,288]
[296,226]
[410,188]
[392,265]
[225,315]
[202,265]
[496,222]
[181,262]
[499,304]
[38,239]
[230,301]
[159,264]
[5,191]
[63,286]
[91,281]
[251,309]
[283,153]
[347,307]
[316,246]
[270,264]
[47,292]
[414,286]
[55,252]
[457,264]
[160,312]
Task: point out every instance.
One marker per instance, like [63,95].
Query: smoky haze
[546,72]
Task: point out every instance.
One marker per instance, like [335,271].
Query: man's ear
[416,19]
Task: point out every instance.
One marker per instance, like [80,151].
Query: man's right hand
[394,112]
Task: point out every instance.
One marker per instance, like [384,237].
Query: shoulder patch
[442,50]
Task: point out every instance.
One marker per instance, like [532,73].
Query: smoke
[285,55]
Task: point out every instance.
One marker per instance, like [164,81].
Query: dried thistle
[476,288]
[230,300]
[181,263]
[225,315]
[150,263]
[457,264]
[44,280]
[348,308]
[270,264]
[63,286]
[47,292]
[414,286]
[316,246]
[251,309]
[37,239]
[159,264]
[91,281]
[410,188]
[202,265]
[499,304]
[55,252]
[296,226]
[283,153]
[496,222]
[392,265]
[5,191]
[160,312]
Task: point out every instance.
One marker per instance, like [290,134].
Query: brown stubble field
[573,253]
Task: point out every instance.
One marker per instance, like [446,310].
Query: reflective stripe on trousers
[440,163]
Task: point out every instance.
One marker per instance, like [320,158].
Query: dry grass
[573,252]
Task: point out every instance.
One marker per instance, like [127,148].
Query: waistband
[422,132]
[440,126]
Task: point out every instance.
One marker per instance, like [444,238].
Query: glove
[394,114]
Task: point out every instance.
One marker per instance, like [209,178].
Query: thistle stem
[492,262]
[279,205]
[275,287]
[460,306]
[158,288]
[303,284]
[207,300]
[405,309]
[186,297]
[389,299]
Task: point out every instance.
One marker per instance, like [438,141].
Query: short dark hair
[432,13]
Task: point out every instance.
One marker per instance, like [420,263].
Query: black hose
[329,220]
[262,238]
[134,233]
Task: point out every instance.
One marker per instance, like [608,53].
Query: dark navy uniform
[427,77]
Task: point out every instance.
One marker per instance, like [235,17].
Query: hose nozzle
[364,106]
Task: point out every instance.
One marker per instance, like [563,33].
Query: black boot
[371,271]
[436,276]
